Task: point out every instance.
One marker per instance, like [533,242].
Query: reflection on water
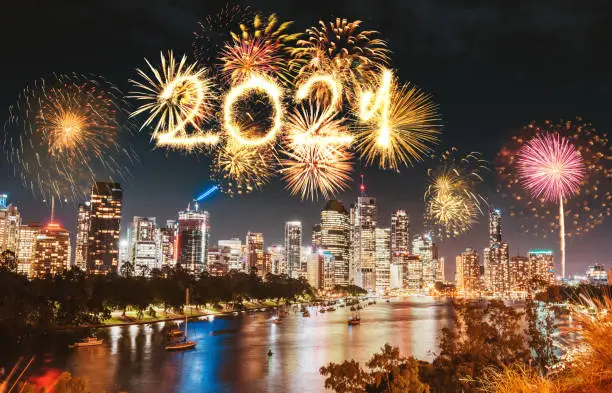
[234,359]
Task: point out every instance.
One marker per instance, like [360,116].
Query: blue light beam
[207,193]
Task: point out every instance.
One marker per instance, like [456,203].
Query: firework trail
[177,100]
[400,125]
[551,168]
[588,206]
[67,131]
[452,201]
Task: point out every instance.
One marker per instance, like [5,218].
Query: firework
[310,169]
[240,171]
[67,131]
[344,48]
[258,84]
[550,167]
[258,56]
[310,125]
[215,32]
[592,201]
[177,100]
[270,29]
[400,125]
[452,201]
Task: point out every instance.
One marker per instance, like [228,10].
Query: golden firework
[344,48]
[452,201]
[399,124]
[177,100]
[240,170]
[269,29]
[309,124]
[310,169]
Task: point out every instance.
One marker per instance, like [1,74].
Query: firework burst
[452,201]
[343,48]
[550,167]
[313,169]
[591,202]
[258,56]
[66,120]
[399,128]
[239,170]
[177,100]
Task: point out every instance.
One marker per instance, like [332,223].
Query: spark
[313,169]
[177,99]
[550,167]
[400,124]
[256,83]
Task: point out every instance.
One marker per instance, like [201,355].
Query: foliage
[349,290]
[386,371]
[8,262]
[517,379]
[573,294]
[75,298]
[540,320]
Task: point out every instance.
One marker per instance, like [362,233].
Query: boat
[331,309]
[283,313]
[354,321]
[184,343]
[276,321]
[306,313]
[175,333]
[87,342]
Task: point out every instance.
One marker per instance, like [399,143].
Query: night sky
[492,66]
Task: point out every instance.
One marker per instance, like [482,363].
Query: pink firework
[550,167]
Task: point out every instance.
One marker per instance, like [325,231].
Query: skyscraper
[427,250]
[26,248]
[383,259]
[519,274]
[468,273]
[144,244]
[278,259]
[542,266]
[335,238]
[255,250]
[82,235]
[363,241]
[10,221]
[51,251]
[193,236]
[232,248]
[293,245]
[400,234]
[168,237]
[105,222]
[495,225]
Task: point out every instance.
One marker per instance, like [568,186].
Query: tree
[8,261]
[127,270]
[540,329]
[387,372]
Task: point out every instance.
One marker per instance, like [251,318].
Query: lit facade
[497,268]
[82,235]
[193,236]
[233,250]
[335,238]
[519,274]
[255,251]
[278,259]
[400,234]
[293,247]
[383,259]
[597,275]
[427,250]
[26,248]
[468,273]
[51,251]
[363,242]
[105,222]
[10,222]
[542,266]
[144,244]
[168,238]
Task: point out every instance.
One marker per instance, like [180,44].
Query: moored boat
[87,342]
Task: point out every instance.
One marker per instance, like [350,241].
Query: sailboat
[184,343]
[355,319]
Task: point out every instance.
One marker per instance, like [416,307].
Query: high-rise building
[82,235]
[495,226]
[383,259]
[193,236]
[217,263]
[144,244]
[320,270]
[427,250]
[335,238]
[255,251]
[597,275]
[104,224]
[232,248]
[363,242]
[440,276]
[542,266]
[10,221]
[51,251]
[293,246]
[468,273]
[519,274]
[400,234]
[26,247]
[497,268]
[278,259]
[168,237]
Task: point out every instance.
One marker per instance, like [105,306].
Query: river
[234,359]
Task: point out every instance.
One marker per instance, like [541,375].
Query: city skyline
[477,114]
